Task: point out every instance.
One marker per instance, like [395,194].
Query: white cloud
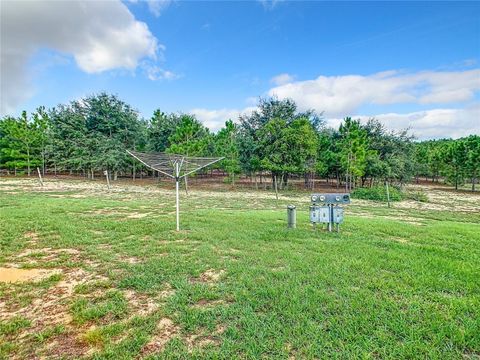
[282,79]
[340,96]
[269,4]
[100,35]
[155,72]
[429,124]
[215,119]
[156,7]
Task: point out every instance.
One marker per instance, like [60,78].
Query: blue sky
[410,64]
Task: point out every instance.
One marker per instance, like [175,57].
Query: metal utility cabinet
[326,209]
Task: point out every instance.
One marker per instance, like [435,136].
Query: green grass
[381,288]
[14,325]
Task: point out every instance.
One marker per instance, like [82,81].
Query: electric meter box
[329,199]
[319,214]
[337,215]
[326,209]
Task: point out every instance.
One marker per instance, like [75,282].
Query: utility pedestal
[292,216]
[325,209]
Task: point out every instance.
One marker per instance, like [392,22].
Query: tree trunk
[115,175]
[276,187]
[43,163]
[285,180]
[388,195]
[28,161]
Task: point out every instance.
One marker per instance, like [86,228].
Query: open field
[102,275]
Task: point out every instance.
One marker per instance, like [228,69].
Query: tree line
[276,141]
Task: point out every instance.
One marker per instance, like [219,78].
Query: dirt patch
[39,257]
[32,236]
[210,276]
[15,275]
[141,304]
[46,307]
[67,346]
[48,252]
[132,260]
[165,331]
[50,308]
[8,188]
[121,212]
[203,304]
[74,196]
[400,240]
[107,212]
[202,340]
[137,215]
[167,292]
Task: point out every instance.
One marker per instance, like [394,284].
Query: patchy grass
[235,283]
[14,325]
[49,332]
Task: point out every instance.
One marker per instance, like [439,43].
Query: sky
[411,65]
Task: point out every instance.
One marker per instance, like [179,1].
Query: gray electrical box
[337,215]
[325,209]
[319,214]
[329,199]
[314,214]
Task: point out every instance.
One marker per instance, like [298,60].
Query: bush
[378,193]
[417,195]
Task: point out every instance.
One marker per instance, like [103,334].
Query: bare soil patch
[400,240]
[131,259]
[48,252]
[166,292]
[138,215]
[31,235]
[204,339]
[141,304]
[165,331]
[15,275]
[202,304]
[209,276]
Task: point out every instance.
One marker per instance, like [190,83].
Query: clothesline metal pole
[174,166]
[177,180]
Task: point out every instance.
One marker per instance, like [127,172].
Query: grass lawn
[117,282]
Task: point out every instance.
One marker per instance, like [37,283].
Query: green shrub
[378,193]
[417,195]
